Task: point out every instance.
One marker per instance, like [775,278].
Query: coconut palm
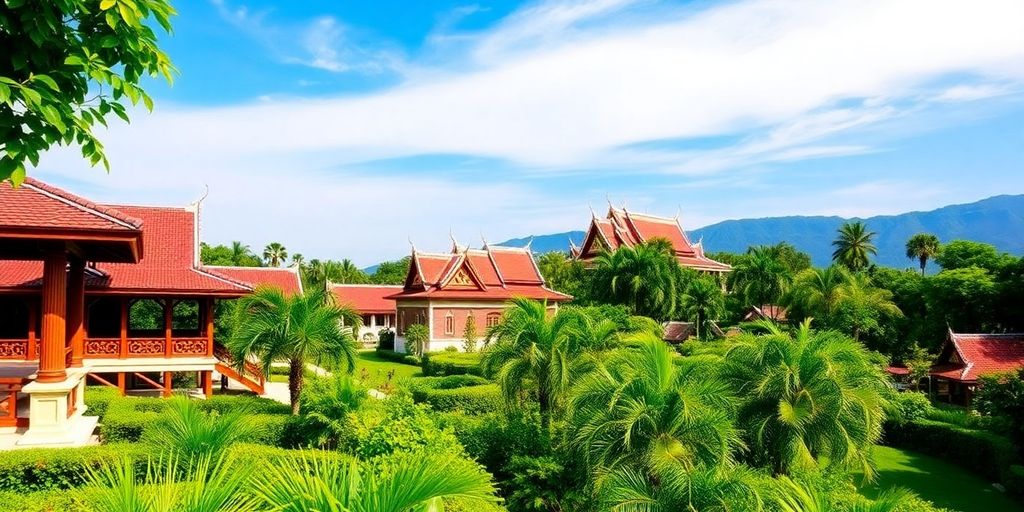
[532,351]
[854,246]
[862,304]
[410,483]
[761,277]
[298,260]
[241,255]
[275,253]
[798,497]
[644,410]
[300,328]
[817,292]
[720,489]
[703,301]
[807,396]
[646,278]
[922,247]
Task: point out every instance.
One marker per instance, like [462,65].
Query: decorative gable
[461,278]
[464,278]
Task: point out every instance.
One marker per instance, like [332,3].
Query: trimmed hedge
[98,398]
[470,399]
[398,357]
[46,501]
[983,452]
[451,363]
[43,469]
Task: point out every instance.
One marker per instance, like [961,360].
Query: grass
[377,372]
[944,484]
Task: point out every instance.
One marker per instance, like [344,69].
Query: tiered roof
[287,279]
[967,356]
[366,298]
[170,265]
[622,228]
[494,272]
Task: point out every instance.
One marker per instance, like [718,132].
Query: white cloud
[559,86]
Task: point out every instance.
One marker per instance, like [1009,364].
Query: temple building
[965,357]
[446,291]
[109,294]
[373,304]
[623,228]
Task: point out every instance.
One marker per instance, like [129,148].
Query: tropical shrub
[493,439]
[399,357]
[982,452]
[469,399]
[451,363]
[188,432]
[416,337]
[1002,396]
[47,501]
[42,469]
[326,404]
[542,484]
[98,398]
[909,406]
[396,425]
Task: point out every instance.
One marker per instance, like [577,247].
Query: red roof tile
[36,205]
[675,332]
[979,354]
[285,279]
[366,298]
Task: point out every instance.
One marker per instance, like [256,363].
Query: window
[493,319]
[449,323]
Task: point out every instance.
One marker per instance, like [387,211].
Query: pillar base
[49,423]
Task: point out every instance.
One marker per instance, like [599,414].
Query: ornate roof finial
[413,245]
[609,199]
[528,243]
[484,240]
[593,214]
[679,212]
[455,243]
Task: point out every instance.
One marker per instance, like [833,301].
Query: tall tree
[922,247]
[391,272]
[854,246]
[275,253]
[240,253]
[646,278]
[68,65]
[271,327]
[298,260]
[760,277]
[703,301]
[807,397]
[817,292]
[863,306]
[965,253]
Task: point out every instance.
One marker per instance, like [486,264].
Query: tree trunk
[296,368]
[545,409]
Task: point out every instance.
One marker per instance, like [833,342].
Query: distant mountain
[997,220]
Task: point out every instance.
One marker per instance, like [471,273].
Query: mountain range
[998,220]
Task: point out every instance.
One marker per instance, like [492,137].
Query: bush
[908,406]
[253,404]
[983,452]
[451,363]
[42,469]
[396,425]
[98,398]
[448,382]
[471,400]
[1013,480]
[398,357]
[46,501]
[386,339]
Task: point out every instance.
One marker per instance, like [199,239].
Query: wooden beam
[52,364]
[76,311]
[124,329]
[207,378]
[121,383]
[168,378]
[154,384]
[168,318]
[103,381]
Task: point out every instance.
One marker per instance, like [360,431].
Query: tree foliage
[646,278]
[760,277]
[854,246]
[391,272]
[68,65]
[923,247]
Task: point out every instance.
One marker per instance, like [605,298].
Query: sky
[347,129]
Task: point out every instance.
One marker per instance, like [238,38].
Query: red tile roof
[967,356]
[36,205]
[366,298]
[676,332]
[625,228]
[285,279]
[502,272]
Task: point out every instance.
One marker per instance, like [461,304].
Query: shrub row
[43,469]
[451,363]
[983,452]
[98,398]
[475,399]
[398,357]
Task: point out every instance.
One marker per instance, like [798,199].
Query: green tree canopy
[965,253]
[69,64]
[703,302]
[922,247]
[760,277]
[854,246]
[275,254]
[646,278]
[391,272]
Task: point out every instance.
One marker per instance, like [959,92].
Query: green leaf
[14,4]
[49,82]
[53,117]
[18,175]
[74,60]
[146,100]
[107,4]
[5,93]
[30,97]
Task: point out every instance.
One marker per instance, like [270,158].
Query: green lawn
[377,370]
[942,483]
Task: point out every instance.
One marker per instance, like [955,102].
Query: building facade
[623,228]
[965,357]
[373,304]
[448,291]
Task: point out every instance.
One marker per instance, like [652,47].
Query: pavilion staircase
[251,375]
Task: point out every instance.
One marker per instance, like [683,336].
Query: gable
[464,277]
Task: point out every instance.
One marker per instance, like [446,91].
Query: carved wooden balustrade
[118,348]
[9,388]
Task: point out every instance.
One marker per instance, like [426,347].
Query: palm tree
[922,247]
[411,483]
[862,304]
[348,273]
[761,277]
[532,351]
[799,497]
[300,328]
[274,254]
[817,292]
[645,410]
[646,278]
[241,255]
[187,431]
[703,301]
[808,396]
[854,246]
[720,489]
[298,260]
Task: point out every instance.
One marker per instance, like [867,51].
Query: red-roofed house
[113,293]
[965,357]
[444,290]
[622,228]
[373,303]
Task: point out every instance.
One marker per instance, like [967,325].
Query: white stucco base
[49,421]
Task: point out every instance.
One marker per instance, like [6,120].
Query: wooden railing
[251,375]
[9,388]
[16,349]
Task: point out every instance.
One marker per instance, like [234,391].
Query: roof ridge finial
[455,243]
[413,245]
[593,214]
[484,240]
[528,244]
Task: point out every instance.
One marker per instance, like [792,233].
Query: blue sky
[345,129]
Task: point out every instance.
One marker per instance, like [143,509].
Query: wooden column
[33,350]
[51,357]
[209,327]
[76,311]
[168,317]
[124,330]
[207,378]
[121,384]
[168,377]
